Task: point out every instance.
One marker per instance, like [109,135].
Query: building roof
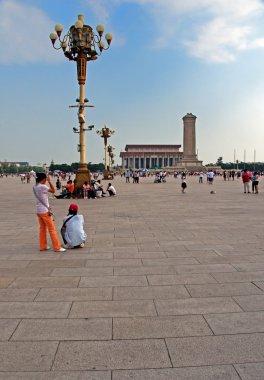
[140,146]
[149,153]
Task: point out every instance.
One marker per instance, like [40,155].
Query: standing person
[210,177]
[183,186]
[73,234]
[127,176]
[111,190]
[44,213]
[246,180]
[58,184]
[86,188]
[201,175]
[255,182]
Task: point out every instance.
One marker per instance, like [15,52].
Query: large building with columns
[150,156]
[167,157]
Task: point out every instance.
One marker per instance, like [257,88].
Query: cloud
[212,30]
[25,29]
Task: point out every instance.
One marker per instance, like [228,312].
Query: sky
[167,58]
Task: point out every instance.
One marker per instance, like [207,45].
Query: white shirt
[210,174]
[42,192]
[75,234]
[112,189]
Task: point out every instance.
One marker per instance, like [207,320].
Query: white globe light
[78,24]
[100,28]
[58,28]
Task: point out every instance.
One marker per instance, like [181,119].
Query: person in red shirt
[246,178]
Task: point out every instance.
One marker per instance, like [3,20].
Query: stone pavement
[169,286]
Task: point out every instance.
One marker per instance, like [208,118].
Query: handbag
[63,229]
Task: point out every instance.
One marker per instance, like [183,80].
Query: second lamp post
[106,133]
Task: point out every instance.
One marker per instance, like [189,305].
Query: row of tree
[74,166]
[66,168]
[238,165]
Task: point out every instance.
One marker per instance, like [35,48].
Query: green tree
[219,161]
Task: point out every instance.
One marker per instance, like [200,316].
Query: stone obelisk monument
[189,142]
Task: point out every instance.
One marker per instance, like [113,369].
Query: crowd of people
[72,230]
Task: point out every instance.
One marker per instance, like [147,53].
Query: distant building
[167,157]
[15,163]
[150,156]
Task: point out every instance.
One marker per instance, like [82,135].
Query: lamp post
[105,133]
[110,150]
[82,45]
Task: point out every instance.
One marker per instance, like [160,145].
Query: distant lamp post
[81,44]
[105,133]
[110,150]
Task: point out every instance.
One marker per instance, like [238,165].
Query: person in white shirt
[111,190]
[201,177]
[74,235]
[210,176]
[44,213]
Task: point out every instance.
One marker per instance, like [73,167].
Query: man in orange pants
[44,213]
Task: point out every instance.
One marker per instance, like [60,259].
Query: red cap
[73,207]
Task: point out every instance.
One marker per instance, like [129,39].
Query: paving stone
[138,255]
[170,261]
[239,276]
[152,327]
[112,309]
[13,264]
[57,263]
[74,294]
[85,272]
[64,329]
[143,270]
[213,350]
[26,272]
[249,267]
[150,248]
[86,256]
[46,282]
[113,263]
[150,292]
[172,253]
[113,281]
[236,323]
[250,371]
[259,284]
[7,327]
[250,303]
[34,309]
[196,306]
[224,260]
[30,356]
[180,279]
[224,372]
[18,294]
[5,282]
[220,290]
[68,375]
[210,268]
[126,354]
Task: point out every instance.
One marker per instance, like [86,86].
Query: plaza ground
[169,286]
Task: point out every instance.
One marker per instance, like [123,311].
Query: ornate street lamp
[110,150]
[81,44]
[105,133]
